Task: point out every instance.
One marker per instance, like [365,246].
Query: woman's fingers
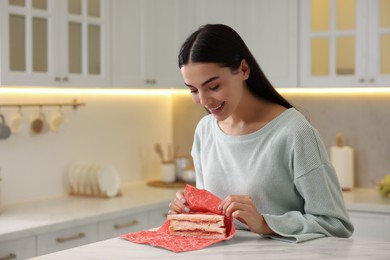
[178,204]
[233,201]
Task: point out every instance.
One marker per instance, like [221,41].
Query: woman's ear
[245,69]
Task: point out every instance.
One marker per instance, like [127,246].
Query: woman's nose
[203,98]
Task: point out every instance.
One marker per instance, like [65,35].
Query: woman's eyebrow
[204,83]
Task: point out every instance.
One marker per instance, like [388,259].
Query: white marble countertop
[244,245]
[38,217]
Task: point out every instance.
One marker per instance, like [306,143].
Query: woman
[255,150]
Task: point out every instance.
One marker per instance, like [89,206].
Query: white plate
[92,179]
[108,180]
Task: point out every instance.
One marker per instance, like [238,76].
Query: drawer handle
[129,224]
[8,257]
[165,215]
[65,239]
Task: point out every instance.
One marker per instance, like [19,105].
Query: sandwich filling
[197,225]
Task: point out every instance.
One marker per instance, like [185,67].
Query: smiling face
[216,88]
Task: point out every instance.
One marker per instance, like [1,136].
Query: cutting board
[172,185]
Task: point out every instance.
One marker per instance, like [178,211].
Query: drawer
[370,225]
[66,238]
[157,217]
[18,249]
[122,225]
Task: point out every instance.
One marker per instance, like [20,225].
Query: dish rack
[92,180]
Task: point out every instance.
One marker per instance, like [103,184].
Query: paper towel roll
[342,160]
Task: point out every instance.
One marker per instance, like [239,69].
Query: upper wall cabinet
[147,36]
[55,43]
[345,43]
[268,27]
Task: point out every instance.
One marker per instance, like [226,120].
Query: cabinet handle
[165,215]
[129,224]
[65,239]
[65,79]
[361,80]
[57,79]
[372,80]
[151,81]
[8,257]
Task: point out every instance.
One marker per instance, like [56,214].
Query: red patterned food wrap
[199,201]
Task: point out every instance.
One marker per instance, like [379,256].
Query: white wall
[115,129]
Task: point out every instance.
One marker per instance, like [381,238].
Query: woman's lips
[216,109]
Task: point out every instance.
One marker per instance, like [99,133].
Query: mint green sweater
[284,167]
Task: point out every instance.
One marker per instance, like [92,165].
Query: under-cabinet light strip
[167,92]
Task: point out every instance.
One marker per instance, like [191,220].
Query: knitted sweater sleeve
[324,211]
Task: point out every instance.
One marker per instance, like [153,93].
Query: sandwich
[209,226]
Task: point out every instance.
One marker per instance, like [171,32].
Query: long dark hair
[218,43]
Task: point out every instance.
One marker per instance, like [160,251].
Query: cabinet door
[122,225]
[18,249]
[146,36]
[162,41]
[27,46]
[127,39]
[370,225]
[83,43]
[157,217]
[271,33]
[229,12]
[333,43]
[65,239]
[378,67]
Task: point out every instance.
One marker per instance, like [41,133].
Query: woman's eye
[214,87]
[193,91]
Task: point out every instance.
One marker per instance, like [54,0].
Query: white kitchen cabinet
[344,43]
[55,43]
[67,238]
[18,249]
[268,27]
[370,225]
[271,33]
[122,225]
[146,39]
[147,36]
[157,217]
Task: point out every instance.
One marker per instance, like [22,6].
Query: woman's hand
[242,208]
[178,205]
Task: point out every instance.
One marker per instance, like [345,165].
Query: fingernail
[186,209]
[182,200]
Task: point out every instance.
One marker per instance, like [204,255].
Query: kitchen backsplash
[118,130]
[363,119]
[121,130]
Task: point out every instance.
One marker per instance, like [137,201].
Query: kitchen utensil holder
[75,104]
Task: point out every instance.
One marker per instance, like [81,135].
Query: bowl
[188,176]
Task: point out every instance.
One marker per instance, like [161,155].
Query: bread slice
[209,226]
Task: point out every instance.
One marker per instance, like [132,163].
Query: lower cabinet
[18,249]
[122,225]
[157,217]
[65,239]
[81,235]
[370,225]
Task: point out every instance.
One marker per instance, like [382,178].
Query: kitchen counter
[34,218]
[38,217]
[365,199]
[244,245]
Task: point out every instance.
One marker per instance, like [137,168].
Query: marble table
[244,245]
